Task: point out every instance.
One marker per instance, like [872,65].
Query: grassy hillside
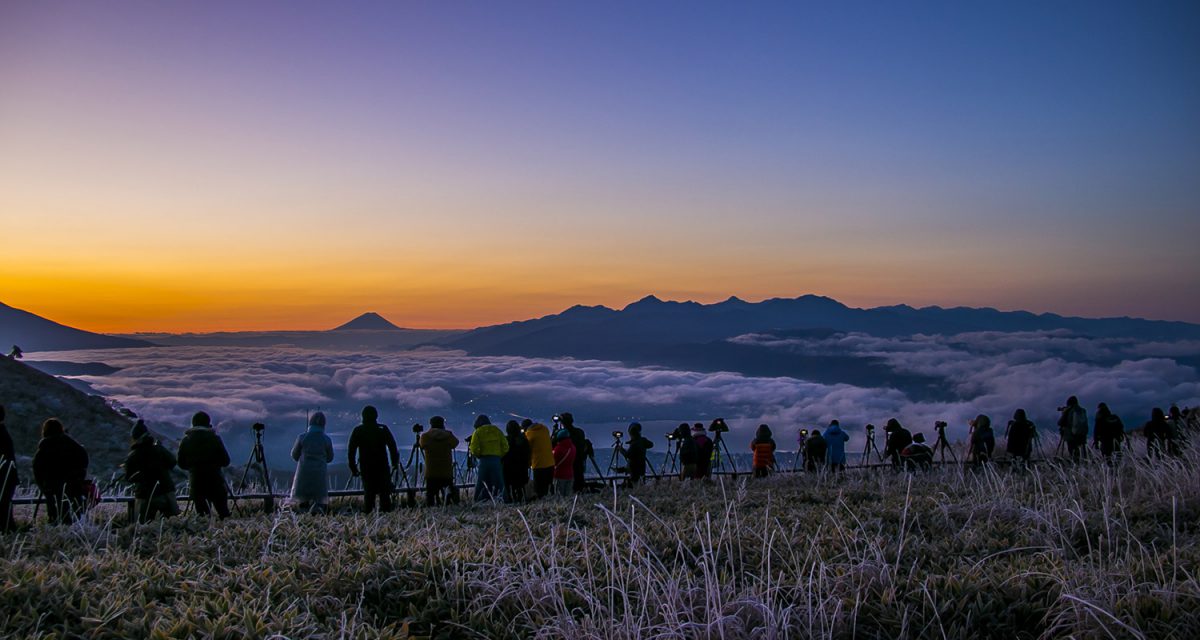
[955,553]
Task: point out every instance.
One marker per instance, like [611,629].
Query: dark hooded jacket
[516,460]
[60,462]
[1020,435]
[148,466]
[372,446]
[202,453]
[1109,431]
[438,444]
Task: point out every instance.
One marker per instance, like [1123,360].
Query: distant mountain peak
[368,321]
[649,301]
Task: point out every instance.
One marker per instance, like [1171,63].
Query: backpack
[687,446]
[1078,426]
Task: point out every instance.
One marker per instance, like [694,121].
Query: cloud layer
[991,373]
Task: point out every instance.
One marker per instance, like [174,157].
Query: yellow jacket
[488,440]
[539,443]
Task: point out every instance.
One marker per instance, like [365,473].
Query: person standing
[148,467]
[897,438]
[60,469]
[541,457]
[516,463]
[815,448]
[1073,427]
[835,446]
[583,449]
[564,464]
[8,477]
[763,448]
[438,444]
[202,454]
[635,454]
[312,452]
[687,451]
[983,439]
[704,451]
[1108,433]
[371,448]
[488,445]
[1020,436]
[1158,434]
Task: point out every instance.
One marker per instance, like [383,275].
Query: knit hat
[919,438]
[139,430]
[481,420]
[437,422]
[892,425]
[317,420]
[698,428]
[201,419]
[526,423]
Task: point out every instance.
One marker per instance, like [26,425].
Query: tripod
[942,446]
[718,459]
[671,464]
[798,459]
[259,457]
[870,446]
[416,462]
[617,450]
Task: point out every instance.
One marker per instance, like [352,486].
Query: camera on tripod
[719,426]
[804,432]
[939,425]
[618,435]
[870,428]
[258,428]
[557,418]
[418,428]
[671,435]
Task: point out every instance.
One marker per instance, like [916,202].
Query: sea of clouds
[991,373]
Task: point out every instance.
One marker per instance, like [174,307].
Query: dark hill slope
[35,333]
[30,396]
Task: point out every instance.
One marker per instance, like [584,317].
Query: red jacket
[564,460]
[764,454]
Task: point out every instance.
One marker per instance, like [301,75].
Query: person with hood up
[60,470]
[815,449]
[564,463]
[1073,427]
[516,463]
[202,454]
[983,439]
[763,448]
[635,454]
[312,452]
[8,477]
[438,444]
[148,467]
[488,445]
[687,451]
[897,438]
[1020,436]
[583,448]
[1158,435]
[1108,433]
[704,452]
[917,456]
[372,446]
[835,446]
[541,457]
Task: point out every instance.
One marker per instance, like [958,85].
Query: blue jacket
[835,440]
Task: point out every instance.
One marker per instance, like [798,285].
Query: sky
[199,166]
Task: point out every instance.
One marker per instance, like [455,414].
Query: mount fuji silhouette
[369,321]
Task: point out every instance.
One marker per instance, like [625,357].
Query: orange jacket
[764,454]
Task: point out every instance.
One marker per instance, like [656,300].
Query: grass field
[1085,551]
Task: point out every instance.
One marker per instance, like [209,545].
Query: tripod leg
[269,500]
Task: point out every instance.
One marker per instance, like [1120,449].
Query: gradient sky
[271,165]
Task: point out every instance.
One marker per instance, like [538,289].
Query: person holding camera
[583,449]
[815,448]
[983,439]
[763,449]
[564,464]
[635,454]
[1019,436]
[516,463]
[1073,427]
[541,457]
[60,470]
[1108,433]
[439,444]
[312,452]
[897,438]
[148,467]
[202,454]
[8,477]
[372,446]
[704,451]
[488,445]
[835,446]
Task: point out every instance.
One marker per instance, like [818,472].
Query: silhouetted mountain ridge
[370,321]
[35,333]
